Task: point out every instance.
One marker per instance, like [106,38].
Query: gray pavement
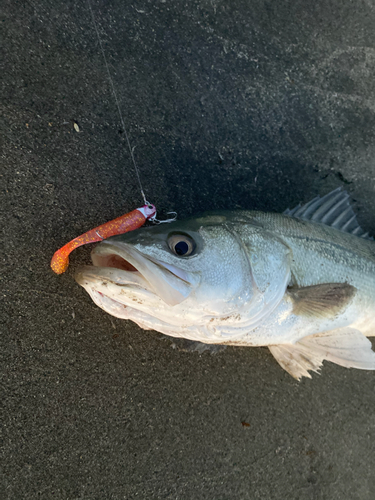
[230,104]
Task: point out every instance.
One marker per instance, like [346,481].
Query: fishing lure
[127,222]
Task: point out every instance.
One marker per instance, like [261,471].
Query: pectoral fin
[321,301]
[345,346]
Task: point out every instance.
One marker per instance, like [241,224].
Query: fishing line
[118,105]
[123,224]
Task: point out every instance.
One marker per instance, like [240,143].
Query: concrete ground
[241,104]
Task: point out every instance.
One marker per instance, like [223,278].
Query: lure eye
[181,245]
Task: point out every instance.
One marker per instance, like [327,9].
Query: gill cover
[269,263]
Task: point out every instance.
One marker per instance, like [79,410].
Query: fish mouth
[136,273]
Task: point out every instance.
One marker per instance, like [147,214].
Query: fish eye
[181,245]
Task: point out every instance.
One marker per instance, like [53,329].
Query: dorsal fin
[333,209]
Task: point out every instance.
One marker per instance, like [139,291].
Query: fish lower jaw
[146,321]
[109,305]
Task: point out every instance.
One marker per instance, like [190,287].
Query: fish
[301,283]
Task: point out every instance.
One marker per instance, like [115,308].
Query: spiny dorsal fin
[345,346]
[321,301]
[333,209]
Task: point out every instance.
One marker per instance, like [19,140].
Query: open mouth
[122,265]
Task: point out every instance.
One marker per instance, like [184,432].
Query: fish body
[301,283]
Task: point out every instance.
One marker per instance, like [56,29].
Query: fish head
[191,279]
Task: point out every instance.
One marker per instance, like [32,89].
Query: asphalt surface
[240,104]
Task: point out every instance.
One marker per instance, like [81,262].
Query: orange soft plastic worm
[128,222]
